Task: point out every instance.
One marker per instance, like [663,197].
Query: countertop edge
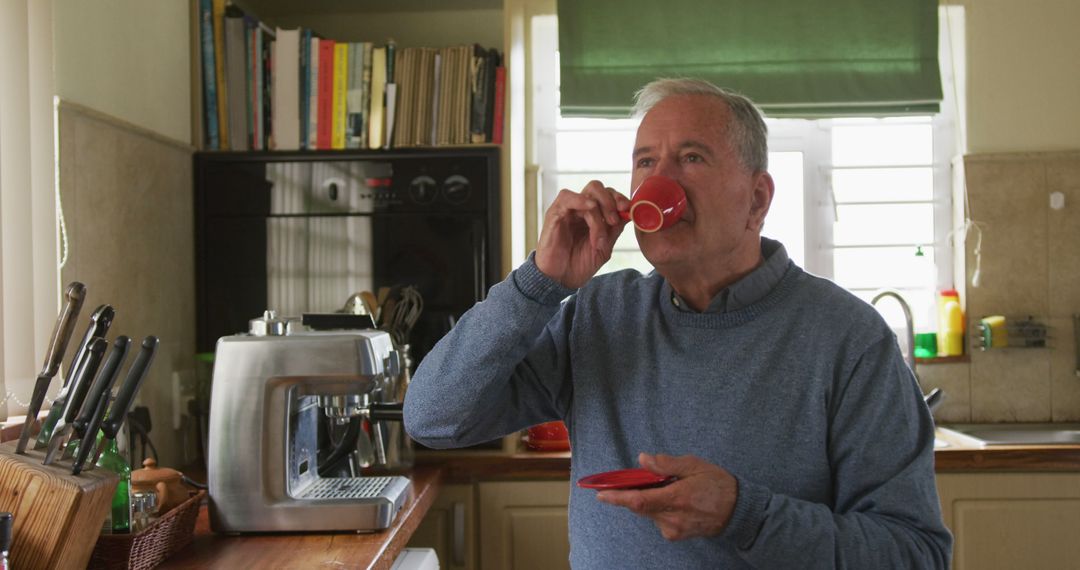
[466,467]
[409,519]
[374,551]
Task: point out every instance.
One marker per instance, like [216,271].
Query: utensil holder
[1021,332]
[57,515]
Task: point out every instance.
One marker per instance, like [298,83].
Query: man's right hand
[579,233]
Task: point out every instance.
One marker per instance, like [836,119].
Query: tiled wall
[1030,266]
[128,209]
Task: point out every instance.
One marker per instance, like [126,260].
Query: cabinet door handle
[458,551]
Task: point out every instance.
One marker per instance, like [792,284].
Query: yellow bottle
[954,328]
[944,296]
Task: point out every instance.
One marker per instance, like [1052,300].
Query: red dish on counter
[625,479]
[548,436]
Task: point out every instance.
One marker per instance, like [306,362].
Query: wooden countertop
[473,467]
[469,467]
[960,455]
[375,551]
[434,468]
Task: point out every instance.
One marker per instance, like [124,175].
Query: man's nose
[667,166]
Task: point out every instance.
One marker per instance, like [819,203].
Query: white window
[864,202]
[29,276]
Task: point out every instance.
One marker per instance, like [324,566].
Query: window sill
[944,359]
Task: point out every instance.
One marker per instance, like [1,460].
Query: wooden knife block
[58,516]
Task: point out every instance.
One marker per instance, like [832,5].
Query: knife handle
[102,383]
[81,382]
[65,325]
[135,376]
[100,320]
[88,443]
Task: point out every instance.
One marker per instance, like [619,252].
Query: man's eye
[644,162]
[693,158]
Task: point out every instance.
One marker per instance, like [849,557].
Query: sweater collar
[751,288]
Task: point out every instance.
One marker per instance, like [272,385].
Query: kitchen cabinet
[450,528]
[1012,520]
[523,525]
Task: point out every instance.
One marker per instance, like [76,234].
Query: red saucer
[625,479]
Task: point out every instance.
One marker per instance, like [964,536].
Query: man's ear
[760,200]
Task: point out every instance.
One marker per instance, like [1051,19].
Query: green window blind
[794,58]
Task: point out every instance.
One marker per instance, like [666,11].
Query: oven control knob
[456,188]
[422,189]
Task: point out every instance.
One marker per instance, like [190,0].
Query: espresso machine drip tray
[333,488]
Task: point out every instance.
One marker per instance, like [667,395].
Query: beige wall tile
[1010,385]
[1063,226]
[1064,375]
[954,379]
[1007,198]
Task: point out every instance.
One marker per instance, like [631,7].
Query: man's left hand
[699,503]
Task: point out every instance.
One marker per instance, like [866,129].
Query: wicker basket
[154,544]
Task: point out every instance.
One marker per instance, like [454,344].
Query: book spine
[341,83]
[267,60]
[305,87]
[378,87]
[354,97]
[255,64]
[326,93]
[365,103]
[209,75]
[313,94]
[236,79]
[499,108]
[477,114]
[287,89]
[219,73]
[250,83]
[436,86]
[493,64]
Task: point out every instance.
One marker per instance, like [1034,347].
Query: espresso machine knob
[268,325]
[392,363]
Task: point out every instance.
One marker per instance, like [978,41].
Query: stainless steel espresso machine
[272,389]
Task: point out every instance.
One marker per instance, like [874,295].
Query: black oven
[302,232]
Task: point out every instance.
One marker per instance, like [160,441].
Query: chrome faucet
[910,332]
[934,397]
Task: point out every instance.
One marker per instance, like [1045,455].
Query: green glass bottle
[119,519]
[112,460]
[47,426]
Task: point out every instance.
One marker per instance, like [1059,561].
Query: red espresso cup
[548,436]
[656,204]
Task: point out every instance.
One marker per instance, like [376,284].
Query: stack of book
[289,89]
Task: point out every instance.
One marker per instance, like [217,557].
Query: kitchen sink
[1017,434]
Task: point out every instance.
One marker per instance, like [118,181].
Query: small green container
[925,345]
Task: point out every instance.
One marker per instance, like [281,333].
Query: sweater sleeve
[885,511]
[503,367]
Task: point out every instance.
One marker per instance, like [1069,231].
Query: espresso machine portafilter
[272,388]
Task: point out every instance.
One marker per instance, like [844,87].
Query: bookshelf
[439,65]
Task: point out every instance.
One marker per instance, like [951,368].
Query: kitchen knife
[102,384]
[65,325]
[79,384]
[89,443]
[100,320]
[112,424]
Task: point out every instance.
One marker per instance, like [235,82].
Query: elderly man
[780,402]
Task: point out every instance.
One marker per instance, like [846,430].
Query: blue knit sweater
[802,395]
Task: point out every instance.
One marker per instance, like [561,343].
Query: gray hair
[748,133]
